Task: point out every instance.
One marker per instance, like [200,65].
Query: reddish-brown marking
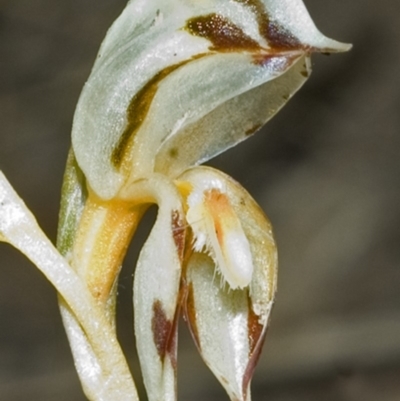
[172,346]
[178,232]
[222,33]
[255,330]
[138,109]
[190,311]
[278,37]
[161,328]
[256,333]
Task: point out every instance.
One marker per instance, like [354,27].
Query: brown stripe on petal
[278,37]
[178,232]
[256,333]
[255,330]
[137,112]
[172,345]
[224,35]
[161,328]
[190,314]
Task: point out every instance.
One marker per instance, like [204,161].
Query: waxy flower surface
[175,83]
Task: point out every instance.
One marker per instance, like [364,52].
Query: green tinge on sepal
[20,229]
[73,198]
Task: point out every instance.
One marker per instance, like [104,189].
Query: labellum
[217,229]
[228,322]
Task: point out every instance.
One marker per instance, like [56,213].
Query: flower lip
[218,231]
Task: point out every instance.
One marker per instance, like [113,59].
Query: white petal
[165,67]
[156,289]
[235,120]
[223,327]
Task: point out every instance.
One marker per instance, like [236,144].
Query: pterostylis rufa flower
[175,83]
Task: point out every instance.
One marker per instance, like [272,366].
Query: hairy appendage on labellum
[217,230]
[229,321]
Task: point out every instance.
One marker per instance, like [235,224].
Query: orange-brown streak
[138,109]
[109,246]
[222,212]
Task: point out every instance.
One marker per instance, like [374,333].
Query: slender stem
[20,229]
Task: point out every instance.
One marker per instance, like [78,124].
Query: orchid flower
[175,83]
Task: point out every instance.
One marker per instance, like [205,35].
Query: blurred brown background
[326,171]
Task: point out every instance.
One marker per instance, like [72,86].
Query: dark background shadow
[326,170]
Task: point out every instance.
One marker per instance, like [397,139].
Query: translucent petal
[233,121]
[220,320]
[164,67]
[156,289]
